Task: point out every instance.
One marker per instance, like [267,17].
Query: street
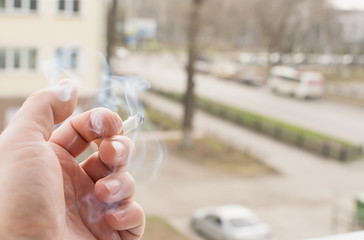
[301,202]
[335,119]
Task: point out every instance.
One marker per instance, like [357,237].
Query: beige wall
[8,106]
[46,31]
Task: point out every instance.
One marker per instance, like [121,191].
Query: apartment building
[42,41]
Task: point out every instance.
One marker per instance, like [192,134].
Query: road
[164,71]
[301,202]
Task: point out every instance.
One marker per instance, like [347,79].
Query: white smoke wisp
[121,94]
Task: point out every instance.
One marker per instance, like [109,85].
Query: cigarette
[130,124]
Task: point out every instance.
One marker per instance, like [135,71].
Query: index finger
[76,134]
[41,111]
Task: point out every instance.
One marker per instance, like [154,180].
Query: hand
[46,194]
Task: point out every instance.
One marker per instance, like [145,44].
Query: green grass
[210,152]
[251,118]
[162,122]
[344,75]
[337,148]
[215,154]
[158,228]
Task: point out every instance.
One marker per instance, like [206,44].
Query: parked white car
[301,84]
[230,222]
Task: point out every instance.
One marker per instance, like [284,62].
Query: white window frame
[68,11]
[66,58]
[24,9]
[24,59]
[27,62]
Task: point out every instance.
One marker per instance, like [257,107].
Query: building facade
[42,41]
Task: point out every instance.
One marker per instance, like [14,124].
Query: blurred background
[259,103]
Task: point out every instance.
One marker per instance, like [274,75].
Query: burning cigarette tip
[130,124]
[141,117]
[133,122]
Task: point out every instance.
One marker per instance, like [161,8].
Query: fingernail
[64,90]
[113,186]
[119,214]
[115,236]
[119,148]
[63,82]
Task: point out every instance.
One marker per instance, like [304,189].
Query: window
[243,222]
[16,62]
[61,5]
[18,59]
[69,7]
[33,4]
[214,220]
[17,3]
[32,59]
[2,58]
[76,6]
[2,4]
[73,60]
[19,6]
[68,58]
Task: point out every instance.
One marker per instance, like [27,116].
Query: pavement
[303,201]
[333,118]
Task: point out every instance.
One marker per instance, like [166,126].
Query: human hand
[46,194]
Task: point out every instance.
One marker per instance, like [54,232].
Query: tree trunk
[111,30]
[189,98]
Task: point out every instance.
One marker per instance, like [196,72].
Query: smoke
[121,94]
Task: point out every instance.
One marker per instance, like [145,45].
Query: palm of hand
[46,194]
[84,219]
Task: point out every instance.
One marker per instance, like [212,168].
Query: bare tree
[189,98]
[279,25]
[314,28]
[111,28]
[272,21]
[225,23]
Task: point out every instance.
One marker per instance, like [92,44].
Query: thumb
[36,118]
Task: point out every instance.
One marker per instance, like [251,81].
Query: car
[250,78]
[224,69]
[229,222]
[291,81]
[203,67]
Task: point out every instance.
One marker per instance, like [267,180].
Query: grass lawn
[314,142]
[162,122]
[158,228]
[212,153]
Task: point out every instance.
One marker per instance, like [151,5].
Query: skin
[46,194]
